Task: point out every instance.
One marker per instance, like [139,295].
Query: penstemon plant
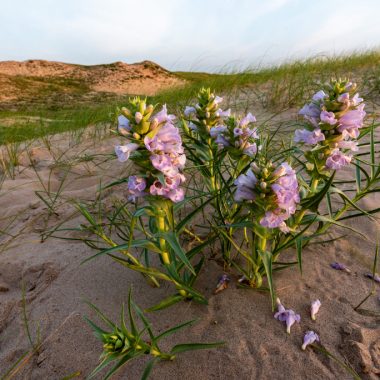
[155,148]
[124,343]
[220,145]
[265,200]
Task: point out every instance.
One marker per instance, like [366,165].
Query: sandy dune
[117,78]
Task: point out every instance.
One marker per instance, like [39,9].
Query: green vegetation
[64,104]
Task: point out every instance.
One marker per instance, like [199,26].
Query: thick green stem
[314,185]
[161,228]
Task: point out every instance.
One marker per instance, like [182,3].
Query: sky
[186,35]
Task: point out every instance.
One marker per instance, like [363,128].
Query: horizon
[252,34]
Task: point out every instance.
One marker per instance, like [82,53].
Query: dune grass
[277,87]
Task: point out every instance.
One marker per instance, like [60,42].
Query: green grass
[273,88]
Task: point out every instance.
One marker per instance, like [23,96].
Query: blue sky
[208,35]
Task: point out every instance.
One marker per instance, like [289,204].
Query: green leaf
[148,368]
[174,329]
[172,239]
[194,346]
[299,253]
[182,224]
[266,257]
[131,318]
[313,202]
[166,303]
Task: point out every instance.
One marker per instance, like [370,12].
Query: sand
[142,78]
[257,346]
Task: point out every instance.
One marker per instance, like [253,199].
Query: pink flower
[166,140]
[163,117]
[328,117]
[337,160]
[315,305]
[275,219]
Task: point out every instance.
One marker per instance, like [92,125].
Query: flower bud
[138,117]
[136,136]
[154,124]
[150,108]
[255,168]
[126,112]
[208,115]
[265,172]
[263,185]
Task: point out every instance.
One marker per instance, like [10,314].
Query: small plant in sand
[126,342]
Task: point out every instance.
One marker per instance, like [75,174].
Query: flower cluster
[335,117]
[159,151]
[273,190]
[238,136]
[206,114]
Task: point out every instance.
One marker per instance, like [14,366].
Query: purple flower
[286,315]
[344,98]
[356,100]
[171,188]
[275,219]
[352,145]
[176,195]
[315,305]
[123,151]
[136,187]
[352,121]
[375,277]
[247,119]
[218,99]
[249,149]
[309,137]
[222,141]
[339,266]
[309,338]
[337,160]
[222,283]
[123,124]
[221,113]
[189,111]
[320,95]
[164,163]
[163,117]
[328,118]
[217,130]
[245,184]
[166,140]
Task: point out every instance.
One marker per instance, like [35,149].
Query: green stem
[161,228]
[314,185]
